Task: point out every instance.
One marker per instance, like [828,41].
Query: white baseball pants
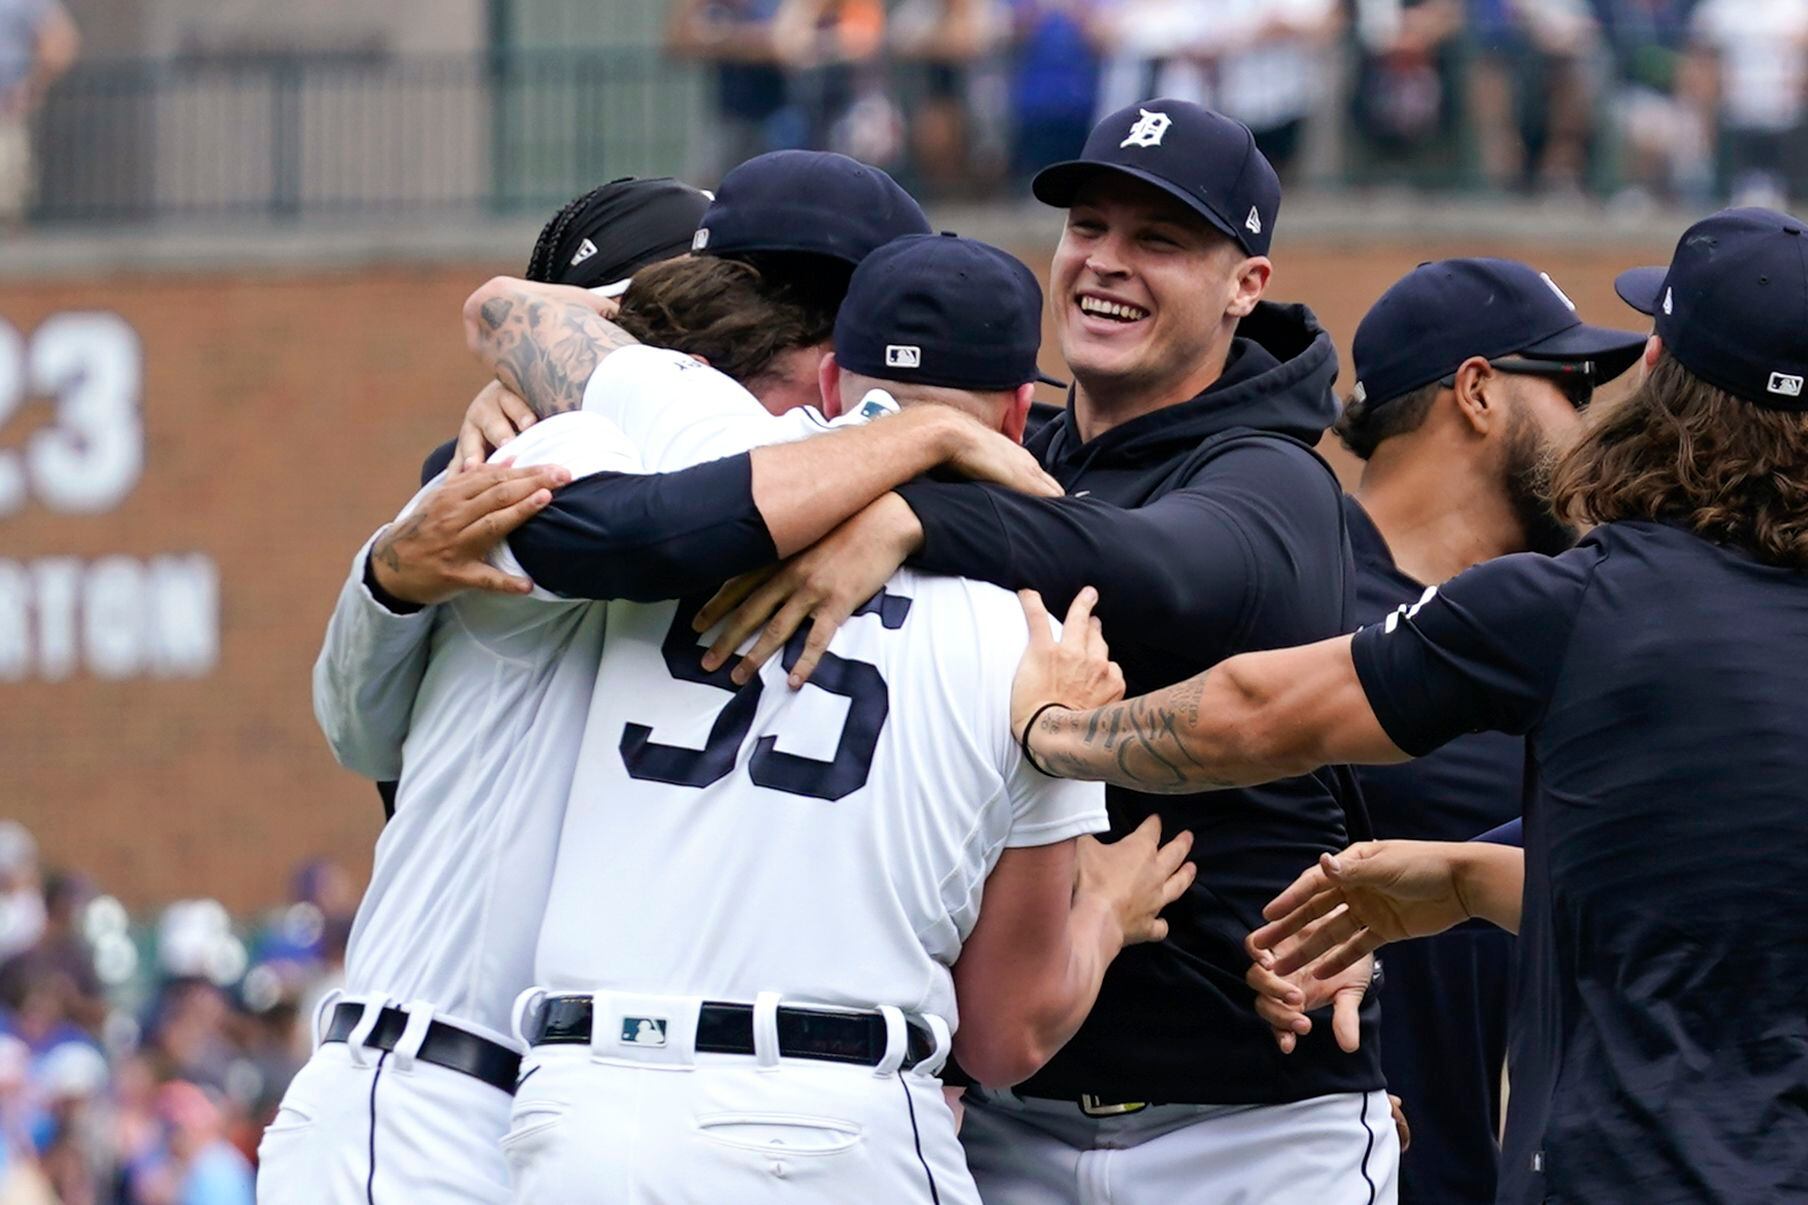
[1330,1150]
[373,1127]
[618,1122]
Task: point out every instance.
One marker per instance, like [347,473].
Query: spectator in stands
[832,48]
[61,957]
[38,42]
[196,1164]
[1054,81]
[954,44]
[1403,102]
[753,109]
[74,1129]
[1753,56]
[1260,61]
[1664,143]
[21,893]
[1529,96]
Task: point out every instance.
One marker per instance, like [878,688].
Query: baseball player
[1209,527]
[1658,1050]
[1470,373]
[409,1091]
[766,890]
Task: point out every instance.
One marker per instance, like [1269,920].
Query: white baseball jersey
[830,843]
[478,706]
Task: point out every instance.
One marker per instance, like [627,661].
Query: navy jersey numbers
[869,702]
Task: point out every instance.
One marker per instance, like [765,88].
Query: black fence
[319,136]
[365,135]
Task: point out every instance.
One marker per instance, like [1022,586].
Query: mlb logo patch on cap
[700,239]
[1786,384]
[643,1031]
[898,355]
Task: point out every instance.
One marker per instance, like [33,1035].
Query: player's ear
[1654,347]
[1250,282]
[828,382]
[703,360]
[1017,413]
[1475,380]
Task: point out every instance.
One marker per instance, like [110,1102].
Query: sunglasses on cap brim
[1576,378]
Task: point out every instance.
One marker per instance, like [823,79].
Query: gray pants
[1330,1150]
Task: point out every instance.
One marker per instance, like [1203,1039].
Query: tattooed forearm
[544,348]
[1153,743]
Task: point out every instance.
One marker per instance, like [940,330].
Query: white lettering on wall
[114,617]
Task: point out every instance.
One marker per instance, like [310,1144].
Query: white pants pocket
[780,1133]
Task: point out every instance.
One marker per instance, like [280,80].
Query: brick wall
[284,416]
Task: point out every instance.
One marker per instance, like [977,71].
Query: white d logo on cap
[898,355]
[1148,129]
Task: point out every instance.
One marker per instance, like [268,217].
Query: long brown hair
[1682,450]
[723,310]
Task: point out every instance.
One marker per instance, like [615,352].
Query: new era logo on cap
[1148,129]
[899,355]
[586,249]
[1253,223]
[1785,384]
[1669,303]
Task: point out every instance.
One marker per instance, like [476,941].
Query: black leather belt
[803,1033]
[444,1046]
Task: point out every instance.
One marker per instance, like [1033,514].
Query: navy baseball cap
[1732,306]
[941,310]
[603,237]
[1199,157]
[807,201]
[1441,313]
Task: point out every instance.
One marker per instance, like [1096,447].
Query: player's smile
[1103,314]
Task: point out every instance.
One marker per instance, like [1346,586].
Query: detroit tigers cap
[1201,158]
[1443,312]
[1732,306]
[817,202]
[601,238]
[942,310]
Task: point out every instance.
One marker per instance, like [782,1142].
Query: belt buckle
[1092,1106]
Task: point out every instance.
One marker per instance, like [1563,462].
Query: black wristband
[388,601]
[1023,742]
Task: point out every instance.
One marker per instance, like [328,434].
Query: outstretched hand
[1353,903]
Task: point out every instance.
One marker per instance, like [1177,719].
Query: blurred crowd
[1637,100]
[140,1067]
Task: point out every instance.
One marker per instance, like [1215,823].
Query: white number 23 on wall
[92,455]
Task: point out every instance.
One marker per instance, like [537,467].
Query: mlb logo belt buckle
[1092,1106]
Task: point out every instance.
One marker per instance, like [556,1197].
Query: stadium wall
[187,464]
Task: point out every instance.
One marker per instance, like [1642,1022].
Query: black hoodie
[1210,528]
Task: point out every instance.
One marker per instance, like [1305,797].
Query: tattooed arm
[542,341]
[1251,719]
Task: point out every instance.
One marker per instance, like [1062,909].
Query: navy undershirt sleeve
[1197,557]
[1511,833]
[437,460]
[1480,653]
[646,537]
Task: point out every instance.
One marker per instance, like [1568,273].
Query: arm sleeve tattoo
[545,350]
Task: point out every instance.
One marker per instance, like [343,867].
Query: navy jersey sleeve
[647,537]
[1480,653]
[1209,554]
